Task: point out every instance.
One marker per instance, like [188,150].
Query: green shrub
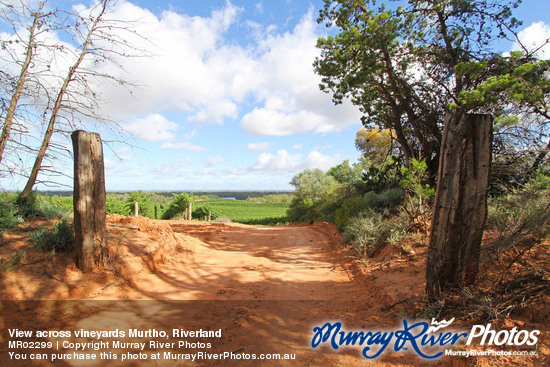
[301,210]
[370,231]
[350,207]
[160,209]
[366,233]
[385,199]
[27,206]
[524,212]
[9,217]
[60,238]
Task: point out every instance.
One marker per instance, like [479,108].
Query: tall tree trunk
[57,106]
[460,207]
[8,121]
[89,200]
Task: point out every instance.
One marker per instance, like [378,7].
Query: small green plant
[60,238]
[370,231]
[15,260]
[367,233]
[418,194]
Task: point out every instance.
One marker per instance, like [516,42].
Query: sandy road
[266,288]
[264,263]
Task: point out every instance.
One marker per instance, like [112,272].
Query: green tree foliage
[398,64]
[519,98]
[311,184]
[346,173]
[145,206]
[311,188]
[178,205]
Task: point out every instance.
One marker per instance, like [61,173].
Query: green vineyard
[247,212]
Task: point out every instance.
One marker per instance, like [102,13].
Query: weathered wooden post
[89,200]
[460,208]
[209,215]
[136,208]
[189,210]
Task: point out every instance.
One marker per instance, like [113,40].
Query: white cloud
[535,37]
[317,160]
[322,147]
[216,113]
[292,101]
[191,68]
[263,121]
[154,127]
[213,160]
[258,147]
[283,161]
[195,69]
[184,145]
[297,146]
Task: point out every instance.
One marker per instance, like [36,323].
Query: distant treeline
[157,196]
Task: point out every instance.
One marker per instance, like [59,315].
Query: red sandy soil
[265,287]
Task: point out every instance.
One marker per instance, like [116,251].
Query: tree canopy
[407,64]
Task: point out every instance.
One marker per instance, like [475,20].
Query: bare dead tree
[101,40]
[29,22]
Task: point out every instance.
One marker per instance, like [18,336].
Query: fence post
[190,210]
[136,208]
[460,208]
[89,200]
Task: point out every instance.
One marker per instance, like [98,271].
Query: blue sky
[229,101]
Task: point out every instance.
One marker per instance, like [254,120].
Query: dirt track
[235,262]
[266,288]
